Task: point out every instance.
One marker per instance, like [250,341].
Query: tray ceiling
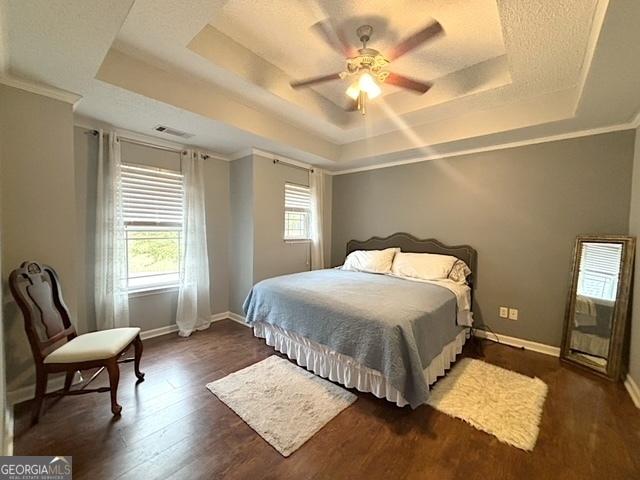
[280,32]
[505,71]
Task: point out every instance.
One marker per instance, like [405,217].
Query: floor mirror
[598,307]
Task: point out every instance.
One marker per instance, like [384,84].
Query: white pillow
[459,272]
[371,261]
[425,266]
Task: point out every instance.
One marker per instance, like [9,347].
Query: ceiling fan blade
[430,32]
[334,37]
[313,80]
[408,83]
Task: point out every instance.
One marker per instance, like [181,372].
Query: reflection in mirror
[596,290]
[597,315]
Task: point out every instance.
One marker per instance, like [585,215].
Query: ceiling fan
[368,66]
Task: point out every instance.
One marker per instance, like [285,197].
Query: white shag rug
[284,403]
[503,403]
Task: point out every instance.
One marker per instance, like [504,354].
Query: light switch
[504,312]
[513,314]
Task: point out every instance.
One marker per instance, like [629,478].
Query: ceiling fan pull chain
[362,102]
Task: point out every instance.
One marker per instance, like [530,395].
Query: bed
[389,336]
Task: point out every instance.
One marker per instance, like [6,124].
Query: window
[599,269]
[297,212]
[153,213]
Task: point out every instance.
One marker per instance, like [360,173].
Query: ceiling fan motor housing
[364,33]
[370,60]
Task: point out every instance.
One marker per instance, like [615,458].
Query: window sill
[297,240]
[142,292]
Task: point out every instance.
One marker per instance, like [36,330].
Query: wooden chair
[56,346]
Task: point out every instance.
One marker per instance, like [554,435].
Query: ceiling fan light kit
[363,89]
[369,66]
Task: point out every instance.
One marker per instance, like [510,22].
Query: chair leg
[68,380]
[41,390]
[114,379]
[137,345]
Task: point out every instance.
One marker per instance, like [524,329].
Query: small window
[153,215]
[297,212]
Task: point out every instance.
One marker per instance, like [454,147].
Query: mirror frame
[618,342]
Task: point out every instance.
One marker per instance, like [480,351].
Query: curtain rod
[146,144]
[275,161]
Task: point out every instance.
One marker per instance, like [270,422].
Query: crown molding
[271,156]
[502,146]
[92,124]
[245,152]
[40,89]
[631,125]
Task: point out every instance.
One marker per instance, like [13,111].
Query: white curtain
[111,296]
[194,309]
[316,184]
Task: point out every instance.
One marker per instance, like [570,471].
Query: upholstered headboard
[409,243]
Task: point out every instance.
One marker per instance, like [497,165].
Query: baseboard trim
[28,392]
[518,342]
[633,389]
[216,317]
[238,319]
[158,332]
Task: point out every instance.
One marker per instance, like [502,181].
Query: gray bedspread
[391,325]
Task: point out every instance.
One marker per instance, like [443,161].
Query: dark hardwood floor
[173,427]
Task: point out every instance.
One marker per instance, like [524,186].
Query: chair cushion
[93,346]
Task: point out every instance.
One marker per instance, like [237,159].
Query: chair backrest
[36,289]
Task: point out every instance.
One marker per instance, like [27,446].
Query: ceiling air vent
[172,131]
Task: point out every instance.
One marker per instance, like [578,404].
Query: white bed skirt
[347,371]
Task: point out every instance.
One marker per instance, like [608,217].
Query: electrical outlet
[513,314]
[504,312]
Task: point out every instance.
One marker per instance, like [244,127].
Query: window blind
[297,211]
[601,258]
[297,197]
[151,196]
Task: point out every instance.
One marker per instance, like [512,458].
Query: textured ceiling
[60,42]
[549,67]
[280,32]
[546,44]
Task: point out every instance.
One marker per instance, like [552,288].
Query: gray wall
[258,250]
[241,233]
[85,154]
[634,229]
[38,205]
[218,212]
[272,256]
[148,310]
[521,208]
[327,224]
